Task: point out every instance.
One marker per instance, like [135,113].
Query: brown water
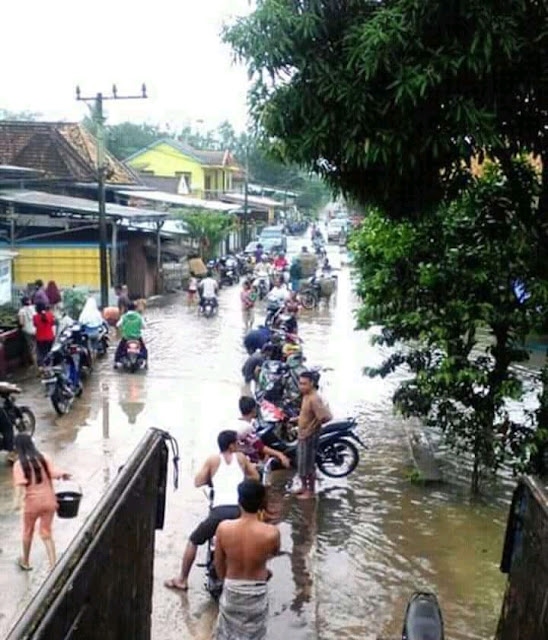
[351,559]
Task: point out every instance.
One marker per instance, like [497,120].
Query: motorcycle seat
[8,387]
[335,425]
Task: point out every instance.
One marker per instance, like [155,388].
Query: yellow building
[201,173]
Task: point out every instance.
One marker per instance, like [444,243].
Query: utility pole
[246,190]
[98,117]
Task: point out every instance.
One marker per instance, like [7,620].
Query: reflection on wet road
[350,560]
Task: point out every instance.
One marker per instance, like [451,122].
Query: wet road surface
[350,560]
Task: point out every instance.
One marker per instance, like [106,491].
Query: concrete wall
[524,613]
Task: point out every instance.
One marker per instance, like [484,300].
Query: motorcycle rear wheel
[60,402]
[308,300]
[337,459]
[27,421]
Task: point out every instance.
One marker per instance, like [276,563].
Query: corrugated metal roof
[177,200]
[257,201]
[67,206]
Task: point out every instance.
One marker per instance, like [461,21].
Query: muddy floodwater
[350,559]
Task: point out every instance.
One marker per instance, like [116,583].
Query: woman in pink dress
[32,476]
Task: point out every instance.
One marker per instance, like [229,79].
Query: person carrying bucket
[32,477]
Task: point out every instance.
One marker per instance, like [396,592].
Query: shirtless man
[242,549]
[224,472]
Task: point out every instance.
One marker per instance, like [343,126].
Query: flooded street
[350,560]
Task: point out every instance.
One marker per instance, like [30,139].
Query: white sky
[172,45]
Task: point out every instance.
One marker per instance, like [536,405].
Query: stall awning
[176,200]
[69,207]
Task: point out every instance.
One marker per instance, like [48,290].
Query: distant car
[273,239]
[335,229]
[251,248]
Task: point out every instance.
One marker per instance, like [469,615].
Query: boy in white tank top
[224,472]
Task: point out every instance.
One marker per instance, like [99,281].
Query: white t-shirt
[279,295]
[209,288]
[26,314]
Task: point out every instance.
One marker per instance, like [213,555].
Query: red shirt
[280,263]
[44,326]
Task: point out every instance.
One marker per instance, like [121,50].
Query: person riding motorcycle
[208,288]
[280,262]
[131,326]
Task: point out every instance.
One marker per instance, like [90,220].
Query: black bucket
[68,503]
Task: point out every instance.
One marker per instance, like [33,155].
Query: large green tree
[208,229]
[388,98]
[457,293]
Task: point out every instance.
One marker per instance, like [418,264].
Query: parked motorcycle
[227,272]
[63,366]
[278,382]
[337,454]
[21,418]
[423,618]
[98,339]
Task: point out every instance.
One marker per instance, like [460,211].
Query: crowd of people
[238,516]
[244,540]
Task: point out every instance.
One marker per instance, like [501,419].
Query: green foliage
[74,300]
[440,284]
[208,228]
[6,114]
[8,316]
[387,99]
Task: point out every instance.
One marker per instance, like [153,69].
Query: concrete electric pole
[99,119]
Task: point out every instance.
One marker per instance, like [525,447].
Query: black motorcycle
[337,454]
[209,307]
[65,366]
[20,418]
[228,274]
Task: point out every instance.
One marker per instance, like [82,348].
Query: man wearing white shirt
[208,289]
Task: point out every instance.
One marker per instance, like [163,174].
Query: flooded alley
[350,559]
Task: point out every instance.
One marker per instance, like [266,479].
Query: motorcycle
[278,382]
[209,307]
[423,618]
[133,358]
[262,283]
[98,339]
[280,417]
[310,293]
[273,312]
[21,418]
[337,454]
[227,272]
[62,376]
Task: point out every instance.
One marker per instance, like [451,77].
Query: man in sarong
[242,549]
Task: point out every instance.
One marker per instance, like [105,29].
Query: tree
[6,114]
[126,138]
[208,228]
[435,284]
[387,99]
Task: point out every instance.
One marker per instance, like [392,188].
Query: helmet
[290,349]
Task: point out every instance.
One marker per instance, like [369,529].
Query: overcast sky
[173,45]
